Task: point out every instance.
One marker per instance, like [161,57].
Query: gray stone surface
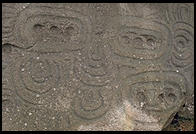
[95,66]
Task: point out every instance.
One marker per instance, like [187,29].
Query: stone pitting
[95,66]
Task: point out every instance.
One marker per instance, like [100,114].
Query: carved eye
[55,30]
[140,96]
[161,98]
[38,28]
[7,48]
[125,39]
[151,42]
[72,30]
[138,41]
[170,96]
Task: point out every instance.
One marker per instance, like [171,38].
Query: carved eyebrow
[131,32]
[142,31]
[150,36]
[182,36]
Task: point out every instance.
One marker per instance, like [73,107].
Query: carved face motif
[153,97]
[154,92]
[66,61]
[139,38]
[37,75]
[40,29]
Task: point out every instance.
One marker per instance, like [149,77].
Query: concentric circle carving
[37,75]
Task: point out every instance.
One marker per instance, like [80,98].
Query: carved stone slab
[95,66]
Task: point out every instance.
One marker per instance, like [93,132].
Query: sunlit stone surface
[88,66]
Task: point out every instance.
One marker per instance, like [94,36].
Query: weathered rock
[95,66]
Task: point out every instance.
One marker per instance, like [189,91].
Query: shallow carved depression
[95,66]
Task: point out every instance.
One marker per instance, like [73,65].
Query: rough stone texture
[95,66]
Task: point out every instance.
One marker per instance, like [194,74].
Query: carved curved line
[48,65]
[90,118]
[94,66]
[24,100]
[102,103]
[94,75]
[118,49]
[183,30]
[157,72]
[183,58]
[86,82]
[32,91]
[182,64]
[27,101]
[145,72]
[89,84]
[181,36]
[182,22]
[135,58]
[8,17]
[60,8]
[61,17]
[8,35]
[36,92]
